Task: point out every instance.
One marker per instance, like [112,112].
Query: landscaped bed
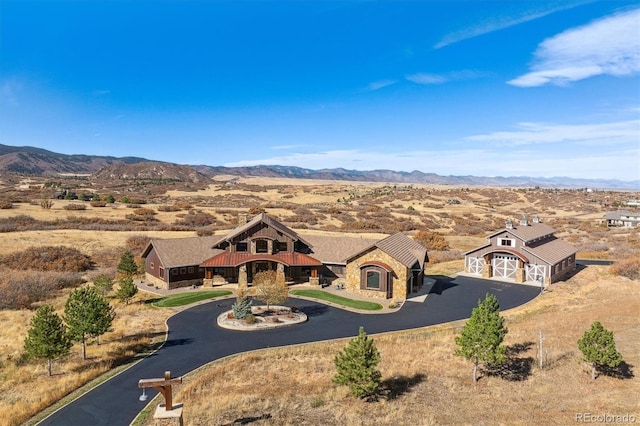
[182,299]
[339,300]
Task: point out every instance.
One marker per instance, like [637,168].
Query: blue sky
[487,88]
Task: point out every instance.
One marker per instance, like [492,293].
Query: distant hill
[28,160]
[150,171]
[417,177]
[40,162]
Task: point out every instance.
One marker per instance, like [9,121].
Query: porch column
[242,276]
[313,279]
[280,273]
[487,271]
[520,272]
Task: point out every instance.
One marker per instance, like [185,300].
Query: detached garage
[527,252]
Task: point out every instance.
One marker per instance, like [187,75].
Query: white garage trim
[475,265]
[504,266]
[536,272]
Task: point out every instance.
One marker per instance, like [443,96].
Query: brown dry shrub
[75,206]
[432,240]
[21,289]
[98,203]
[444,256]
[48,258]
[629,268]
[143,211]
[168,208]
[197,218]
[137,243]
[6,205]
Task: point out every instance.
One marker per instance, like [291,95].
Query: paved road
[195,339]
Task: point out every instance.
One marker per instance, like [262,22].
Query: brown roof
[336,249]
[175,252]
[269,221]
[404,249]
[528,232]
[234,259]
[552,251]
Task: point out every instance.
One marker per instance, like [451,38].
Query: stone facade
[397,279]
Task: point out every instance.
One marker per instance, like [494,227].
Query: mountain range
[40,162]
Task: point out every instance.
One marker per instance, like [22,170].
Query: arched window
[373,279]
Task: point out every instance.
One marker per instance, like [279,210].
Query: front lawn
[339,300]
[182,299]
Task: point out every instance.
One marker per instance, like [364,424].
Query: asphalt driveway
[195,339]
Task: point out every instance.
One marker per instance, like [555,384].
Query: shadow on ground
[622,371]
[442,283]
[515,368]
[247,420]
[397,386]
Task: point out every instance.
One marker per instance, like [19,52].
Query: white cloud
[285,147]
[427,78]
[621,164]
[607,46]
[377,85]
[502,22]
[619,132]
[9,92]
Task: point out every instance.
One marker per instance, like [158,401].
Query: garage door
[475,265]
[504,266]
[535,272]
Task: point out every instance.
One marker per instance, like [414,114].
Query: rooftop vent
[536,219]
[509,224]
[524,221]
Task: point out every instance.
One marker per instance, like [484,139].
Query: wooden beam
[162,385]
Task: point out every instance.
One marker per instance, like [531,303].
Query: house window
[161,272]
[174,272]
[261,246]
[183,271]
[281,246]
[191,269]
[241,247]
[151,265]
[506,242]
[373,279]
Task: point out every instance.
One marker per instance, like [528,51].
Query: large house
[625,218]
[527,252]
[391,267]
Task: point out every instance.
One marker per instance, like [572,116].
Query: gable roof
[528,232]
[404,249]
[400,247]
[336,249]
[176,252]
[267,220]
[552,251]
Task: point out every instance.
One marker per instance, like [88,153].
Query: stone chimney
[242,218]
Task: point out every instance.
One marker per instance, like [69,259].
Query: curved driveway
[195,339]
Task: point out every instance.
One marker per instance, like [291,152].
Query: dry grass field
[424,384]
[463,215]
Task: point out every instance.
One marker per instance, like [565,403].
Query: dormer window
[506,242]
[241,247]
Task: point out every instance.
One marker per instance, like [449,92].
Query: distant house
[624,218]
[386,268]
[527,252]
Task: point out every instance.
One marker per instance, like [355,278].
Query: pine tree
[356,366]
[127,265]
[599,348]
[47,338]
[242,307]
[103,284]
[482,335]
[126,290]
[87,314]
